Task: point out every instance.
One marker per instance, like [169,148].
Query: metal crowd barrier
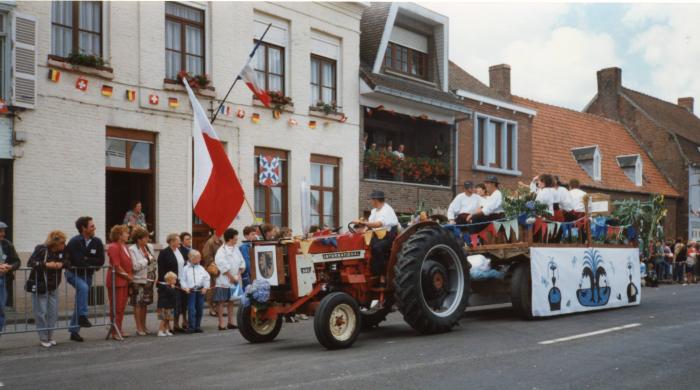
[19,308]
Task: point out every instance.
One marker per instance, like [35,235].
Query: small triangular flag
[305,245]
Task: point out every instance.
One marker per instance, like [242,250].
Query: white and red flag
[217,195]
[249,77]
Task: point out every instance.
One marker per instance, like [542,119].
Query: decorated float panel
[578,279]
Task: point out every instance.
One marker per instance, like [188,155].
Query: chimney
[609,85]
[609,81]
[687,103]
[499,79]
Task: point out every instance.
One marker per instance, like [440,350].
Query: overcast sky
[554,50]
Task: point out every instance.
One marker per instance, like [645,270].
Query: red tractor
[427,278]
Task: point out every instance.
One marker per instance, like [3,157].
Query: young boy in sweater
[166,303]
[195,280]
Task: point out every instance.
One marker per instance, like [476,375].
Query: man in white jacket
[463,205]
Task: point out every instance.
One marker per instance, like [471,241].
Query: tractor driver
[381,217]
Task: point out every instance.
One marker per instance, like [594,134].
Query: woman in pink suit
[121,271]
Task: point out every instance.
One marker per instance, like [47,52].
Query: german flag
[255,118]
[173,102]
[130,95]
[312,124]
[107,90]
[54,75]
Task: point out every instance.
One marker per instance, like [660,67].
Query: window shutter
[24,65]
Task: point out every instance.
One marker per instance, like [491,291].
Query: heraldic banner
[570,280]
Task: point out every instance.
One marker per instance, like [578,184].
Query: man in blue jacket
[87,253]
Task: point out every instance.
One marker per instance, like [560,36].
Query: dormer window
[632,166]
[589,159]
[406,60]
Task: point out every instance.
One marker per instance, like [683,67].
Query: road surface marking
[589,334]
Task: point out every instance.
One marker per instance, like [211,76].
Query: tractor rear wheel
[521,291]
[337,321]
[432,281]
[371,318]
[254,330]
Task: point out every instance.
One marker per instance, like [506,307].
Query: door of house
[130,175]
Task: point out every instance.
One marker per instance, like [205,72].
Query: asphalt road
[491,349]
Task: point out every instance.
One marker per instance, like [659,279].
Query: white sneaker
[162,334]
[168,333]
[45,344]
[52,342]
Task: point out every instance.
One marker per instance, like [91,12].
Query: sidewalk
[97,333]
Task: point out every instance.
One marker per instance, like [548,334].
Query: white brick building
[60,168]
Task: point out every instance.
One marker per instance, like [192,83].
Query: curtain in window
[274,64]
[328,82]
[195,51]
[90,19]
[172,42]
[315,96]
[62,37]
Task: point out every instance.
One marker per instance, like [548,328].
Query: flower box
[104,72]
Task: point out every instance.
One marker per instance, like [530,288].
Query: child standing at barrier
[195,280]
[166,303]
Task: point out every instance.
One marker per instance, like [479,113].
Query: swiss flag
[217,195]
[248,76]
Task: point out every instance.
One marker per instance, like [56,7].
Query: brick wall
[62,172]
[662,148]
[404,198]
[466,145]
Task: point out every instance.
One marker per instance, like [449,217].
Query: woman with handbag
[141,288]
[119,278]
[231,265]
[46,262]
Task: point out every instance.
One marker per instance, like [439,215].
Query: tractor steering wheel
[350,229]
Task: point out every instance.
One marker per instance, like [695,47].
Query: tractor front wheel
[432,281]
[337,321]
[255,330]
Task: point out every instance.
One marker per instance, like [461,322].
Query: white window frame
[638,168]
[597,160]
[260,16]
[504,151]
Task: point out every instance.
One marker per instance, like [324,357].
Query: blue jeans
[81,280]
[3,301]
[45,308]
[678,271]
[195,306]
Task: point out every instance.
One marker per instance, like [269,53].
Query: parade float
[543,267]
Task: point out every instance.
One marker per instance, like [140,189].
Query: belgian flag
[54,75]
[130,95]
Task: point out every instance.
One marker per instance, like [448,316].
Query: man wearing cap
[9,263]
[492,208]
[463,205]
[381,217]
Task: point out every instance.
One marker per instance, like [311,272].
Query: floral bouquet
[521,204]
[257,294]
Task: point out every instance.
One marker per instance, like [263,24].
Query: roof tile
[557,130]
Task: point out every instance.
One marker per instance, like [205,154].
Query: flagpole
[238,77]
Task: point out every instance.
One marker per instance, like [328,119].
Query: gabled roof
[372,25]
[690,150]
[672,117]
[556,131]
[461,79]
